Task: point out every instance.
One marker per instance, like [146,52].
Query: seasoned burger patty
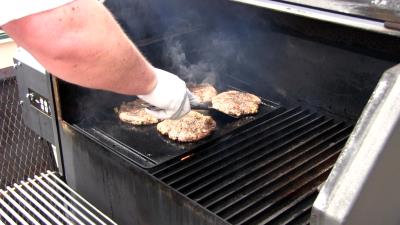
[236,103]
[134,113]
[204,92]
[192,127]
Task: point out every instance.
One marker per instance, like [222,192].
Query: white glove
[170,95]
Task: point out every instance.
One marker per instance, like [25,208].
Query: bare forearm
[81,43]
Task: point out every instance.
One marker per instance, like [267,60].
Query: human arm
[80,42]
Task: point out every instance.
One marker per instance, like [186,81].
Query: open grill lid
[382,16]
[384,10]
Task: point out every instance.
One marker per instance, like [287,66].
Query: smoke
[204,56]
[198,72]
[197,43]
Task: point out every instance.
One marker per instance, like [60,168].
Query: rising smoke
[199,55]
[197,72]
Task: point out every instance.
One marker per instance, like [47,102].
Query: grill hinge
[392,25]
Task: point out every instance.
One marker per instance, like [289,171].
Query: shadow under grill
[265,172]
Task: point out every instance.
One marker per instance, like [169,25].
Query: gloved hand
[170,95]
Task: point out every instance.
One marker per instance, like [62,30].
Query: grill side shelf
[266,172]
[46,199]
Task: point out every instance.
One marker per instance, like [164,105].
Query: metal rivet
[17,64]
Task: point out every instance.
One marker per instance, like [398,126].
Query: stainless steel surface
[20,209]
[324,15]
[45,203]
[28,206]
[36,203]
[363,186]
[385,10]
[4,215]
[47,200]
[56,203]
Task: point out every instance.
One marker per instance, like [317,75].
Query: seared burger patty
[236,103]
[134,113]
[192,127]
[204,92]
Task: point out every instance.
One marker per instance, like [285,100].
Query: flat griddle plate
[145,146]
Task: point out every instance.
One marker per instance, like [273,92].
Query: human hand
[170,95]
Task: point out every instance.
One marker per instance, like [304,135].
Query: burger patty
[134,113]
[204,92]
[192,127]
[236,103]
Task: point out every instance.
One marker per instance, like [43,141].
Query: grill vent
[266,172]
[47,200]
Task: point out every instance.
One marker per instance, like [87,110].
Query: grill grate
[266,172]
[47,200]
[22,153]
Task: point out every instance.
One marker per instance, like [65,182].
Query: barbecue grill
[314,67]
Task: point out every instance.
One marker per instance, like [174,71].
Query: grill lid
[386,10]
[381,16]
[383,10]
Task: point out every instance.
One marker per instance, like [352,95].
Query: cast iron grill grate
[265,172]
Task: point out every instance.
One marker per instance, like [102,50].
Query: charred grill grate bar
[265,172]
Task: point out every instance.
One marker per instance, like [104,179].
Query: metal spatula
[216,114]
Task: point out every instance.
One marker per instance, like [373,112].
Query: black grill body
[314,77]
[267,171]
